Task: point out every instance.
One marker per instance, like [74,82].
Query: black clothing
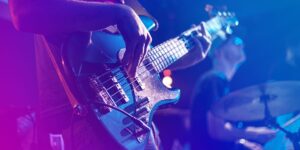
[210,88]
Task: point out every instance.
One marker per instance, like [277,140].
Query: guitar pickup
[101,95]
[126,132]
[144,101]
[118,94]
[139,85]
[106,99]
[142,112]
[145,119]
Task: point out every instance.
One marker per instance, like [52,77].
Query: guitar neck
[168,52]
[165,54]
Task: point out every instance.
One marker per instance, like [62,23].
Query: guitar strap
[71,97]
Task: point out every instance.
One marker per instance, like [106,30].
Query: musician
[207,130]
[53,21]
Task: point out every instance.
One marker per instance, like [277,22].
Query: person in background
[207,130]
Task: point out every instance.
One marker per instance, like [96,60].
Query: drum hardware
[263,102]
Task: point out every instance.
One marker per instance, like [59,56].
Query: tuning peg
[219,13]
[228,30]
[208,8]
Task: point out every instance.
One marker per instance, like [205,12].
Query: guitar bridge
[102,95]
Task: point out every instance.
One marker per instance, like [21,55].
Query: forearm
[56,16]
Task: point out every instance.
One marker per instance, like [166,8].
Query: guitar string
[120,67]
[145,67]
[131,84]
[121,79]
[189,30]
[188,38]
[166,42]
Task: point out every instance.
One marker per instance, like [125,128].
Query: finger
[140,51]
[204,31]
[146,47]
[129,54]
[202,42]
[206,43]
[198,44]
[203,36]
[136,58]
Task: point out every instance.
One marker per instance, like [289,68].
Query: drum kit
[264,102]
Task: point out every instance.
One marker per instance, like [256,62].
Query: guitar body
[94,75]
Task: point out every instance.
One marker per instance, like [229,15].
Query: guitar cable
[135,120]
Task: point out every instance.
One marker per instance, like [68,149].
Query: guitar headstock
[221,21]
[219,24]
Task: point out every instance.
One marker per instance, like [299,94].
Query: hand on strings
[136,37]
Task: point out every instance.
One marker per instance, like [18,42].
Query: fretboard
[165,54]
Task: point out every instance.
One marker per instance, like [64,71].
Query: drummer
[207,130]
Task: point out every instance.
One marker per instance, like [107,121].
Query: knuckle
[143,36]
[149,38]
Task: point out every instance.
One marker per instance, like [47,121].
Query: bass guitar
[95,80]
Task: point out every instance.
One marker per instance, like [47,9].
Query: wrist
[122,13]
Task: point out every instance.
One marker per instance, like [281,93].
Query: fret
[163,55]
[155,65]
[152,60]
[171,49]
[166,53]
[161,61]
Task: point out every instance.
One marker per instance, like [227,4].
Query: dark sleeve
[208,90]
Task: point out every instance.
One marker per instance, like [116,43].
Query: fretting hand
[202,43]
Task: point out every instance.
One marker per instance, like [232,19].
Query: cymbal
[248,104]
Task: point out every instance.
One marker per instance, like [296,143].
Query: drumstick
[290,122]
